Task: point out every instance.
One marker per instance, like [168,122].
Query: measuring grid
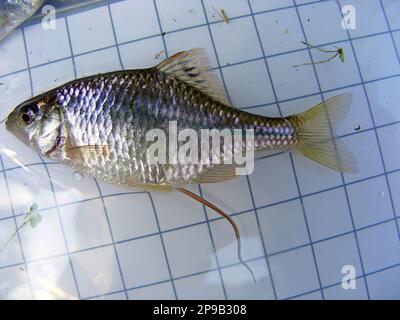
[221,274]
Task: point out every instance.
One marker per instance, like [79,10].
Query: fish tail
[317,138]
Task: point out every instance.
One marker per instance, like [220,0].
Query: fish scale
[128,104]
[103,122]
[99,126]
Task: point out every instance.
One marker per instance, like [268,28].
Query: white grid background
[301,223]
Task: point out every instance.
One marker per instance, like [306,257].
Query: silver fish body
[118,110]
[99,124]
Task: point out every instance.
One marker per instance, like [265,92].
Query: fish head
[38,124]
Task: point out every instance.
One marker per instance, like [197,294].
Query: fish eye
[28,113]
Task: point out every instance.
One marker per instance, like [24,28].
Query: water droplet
[77,176]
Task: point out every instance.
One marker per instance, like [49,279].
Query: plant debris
[158,55]
[338,52]
[223,15]
[33,217]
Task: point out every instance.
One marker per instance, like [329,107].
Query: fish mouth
[11,124]
[8,121]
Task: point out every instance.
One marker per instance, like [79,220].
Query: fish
[15,12]
[99,125]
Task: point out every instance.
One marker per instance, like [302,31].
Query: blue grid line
[67,11]
[205,213]
[43,210]
[237,264]
[374,124]
[336,284]
[162,34]
[149,195]
[182,277]
[248,179]
[219,67]
[48,174]
[115,36]
[321,45]
[72,57]
[199,187]
[290,155]
[215,50]
[112,238]
[207,221]
[202,25]
[211,269]
[269,270]
[249,186]
[200,223]
[341,174]
[283,100]
[111,2]
[154,208]
[98,186]
[151,198]
[232,18]
[257,159]
[163,245]
[390,31]
[63,231]
[258,105]
[281,8]
[16,228]
[324,91]
[213,219]
[95,181]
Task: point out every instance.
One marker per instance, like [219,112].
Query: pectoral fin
[82,153]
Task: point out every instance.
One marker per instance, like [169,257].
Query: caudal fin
[317,139]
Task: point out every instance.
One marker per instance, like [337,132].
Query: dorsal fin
[194,68]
